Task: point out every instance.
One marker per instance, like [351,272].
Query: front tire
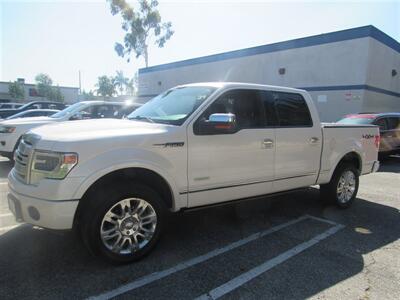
[122,222]
[343,187]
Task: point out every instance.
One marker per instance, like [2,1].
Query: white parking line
[3,182]
[6,215]
[6,228]
[238,281]
[191,262]
[202,258]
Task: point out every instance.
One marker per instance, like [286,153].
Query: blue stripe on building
[326,38]
[335,88]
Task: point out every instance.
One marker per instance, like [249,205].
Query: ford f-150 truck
[192,146]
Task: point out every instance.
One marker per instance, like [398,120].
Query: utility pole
[80,83]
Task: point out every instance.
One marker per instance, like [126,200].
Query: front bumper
[57,215]
[51,204]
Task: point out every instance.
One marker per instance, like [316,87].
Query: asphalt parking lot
[290,247]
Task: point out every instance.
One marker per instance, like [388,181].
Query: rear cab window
[291,110]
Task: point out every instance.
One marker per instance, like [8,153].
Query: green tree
[121,81]
[131,86]
[44,85]
[57,95]
[16,90]
[105,86]
[142,28]
[88,95]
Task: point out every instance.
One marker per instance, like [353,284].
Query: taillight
[377,141]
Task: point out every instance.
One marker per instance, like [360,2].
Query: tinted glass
[244,104]
[381,123]
[393,123]
[291,109]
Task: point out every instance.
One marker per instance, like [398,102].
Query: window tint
[381,123]
[291,109]
[269,109]
[244,104]
[393,123]
[106,111]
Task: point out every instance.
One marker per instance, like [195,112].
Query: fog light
[33,213]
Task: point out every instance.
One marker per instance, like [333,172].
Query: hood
[96,129]
[31,120]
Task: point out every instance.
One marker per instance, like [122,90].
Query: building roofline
[32,84]
[320,39]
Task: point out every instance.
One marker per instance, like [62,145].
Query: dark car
[5,113]
[10,105]
[389,127]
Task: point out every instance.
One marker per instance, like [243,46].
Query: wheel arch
[142,175]
[352,157]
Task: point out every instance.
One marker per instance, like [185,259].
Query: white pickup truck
[194,145]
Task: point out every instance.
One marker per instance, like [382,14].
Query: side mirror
[218,124]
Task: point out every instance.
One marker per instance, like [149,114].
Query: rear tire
[343,187]
[122,221]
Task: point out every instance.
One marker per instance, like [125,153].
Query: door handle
[268,143]
[314,140]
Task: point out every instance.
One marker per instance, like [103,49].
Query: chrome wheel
[128,226]
[346,186]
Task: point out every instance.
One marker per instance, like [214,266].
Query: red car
[389,125]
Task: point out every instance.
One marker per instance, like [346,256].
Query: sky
[61,38]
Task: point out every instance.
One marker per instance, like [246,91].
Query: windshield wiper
[142,118]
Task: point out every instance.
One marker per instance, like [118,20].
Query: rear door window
[382,123]
[291,109]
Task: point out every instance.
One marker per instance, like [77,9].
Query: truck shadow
[40,263]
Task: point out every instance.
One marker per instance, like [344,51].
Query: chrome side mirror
[217,124]
[223,118]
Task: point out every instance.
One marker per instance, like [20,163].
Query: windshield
[172,107]
[70,110]
[355,120]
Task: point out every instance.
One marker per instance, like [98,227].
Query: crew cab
[12,130]
[5,113]
[389,128]
[193,146]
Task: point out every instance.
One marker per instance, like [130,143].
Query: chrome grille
[22,157]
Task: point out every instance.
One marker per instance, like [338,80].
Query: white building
[71,94]
[347,71]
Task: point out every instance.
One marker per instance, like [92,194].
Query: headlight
[7,129]
[51,165]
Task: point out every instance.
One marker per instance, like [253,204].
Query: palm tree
[131,85]
[121,81]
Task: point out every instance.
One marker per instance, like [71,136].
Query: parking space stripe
[6,228]
[269,264]
[6,215]
[3,182]
[192,262]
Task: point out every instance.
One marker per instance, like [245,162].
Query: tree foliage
[132,85]
[105,86]
[121,81]
[16,90]
[142,27]
[88,95]
[45,88]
